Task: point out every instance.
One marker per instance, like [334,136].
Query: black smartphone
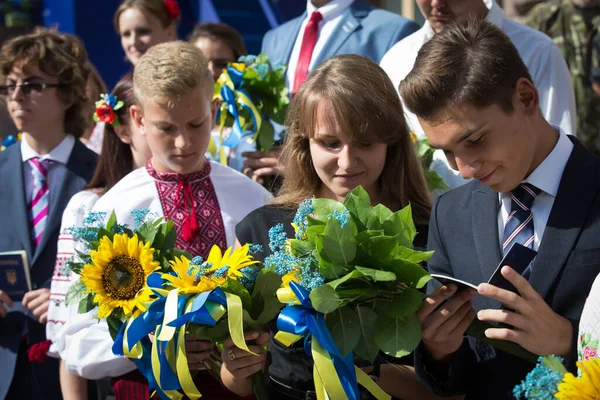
[518,258]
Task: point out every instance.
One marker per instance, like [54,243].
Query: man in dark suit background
[532,185]
[43,78]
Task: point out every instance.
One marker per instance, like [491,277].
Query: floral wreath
[172,9]
[105,109]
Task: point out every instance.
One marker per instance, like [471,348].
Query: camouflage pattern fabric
[574,30]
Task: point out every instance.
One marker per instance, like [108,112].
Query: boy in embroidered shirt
[42,82]
[205,200]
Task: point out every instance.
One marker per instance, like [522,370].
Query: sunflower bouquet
[153,295]
[550,380]
[351,280]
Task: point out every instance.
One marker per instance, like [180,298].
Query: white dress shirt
[545,177]
[332,13]
[544,60]
[60,155]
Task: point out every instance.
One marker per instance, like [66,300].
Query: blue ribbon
[304,320]
[199,314]
[9,140]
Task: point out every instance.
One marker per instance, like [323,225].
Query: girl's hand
[241,364]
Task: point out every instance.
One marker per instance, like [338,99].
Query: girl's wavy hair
[154,8]
[60,55]
[361,99]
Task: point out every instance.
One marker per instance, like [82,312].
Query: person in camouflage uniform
[573,25]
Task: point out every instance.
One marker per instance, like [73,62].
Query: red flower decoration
[105,113]
[588,353]
[172,9]
[37,352]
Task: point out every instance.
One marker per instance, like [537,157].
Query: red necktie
[311,33]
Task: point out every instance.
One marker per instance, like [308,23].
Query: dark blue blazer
[15,234]
[366,30]
[463,231]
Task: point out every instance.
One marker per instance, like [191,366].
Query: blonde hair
[154,8]
[365,105]
[60,55]
[170,70]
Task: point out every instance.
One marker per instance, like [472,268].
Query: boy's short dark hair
[471,63]
[222,33]
[60,55]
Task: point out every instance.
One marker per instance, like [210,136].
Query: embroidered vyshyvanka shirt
[220,197]
[589,325]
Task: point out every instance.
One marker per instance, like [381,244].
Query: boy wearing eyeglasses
[43,78]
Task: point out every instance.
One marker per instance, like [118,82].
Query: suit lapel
[70,183]
[349,23]
[16,196]
[576,192]
[485,229]
[294,31]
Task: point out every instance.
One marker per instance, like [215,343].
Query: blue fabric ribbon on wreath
[304,320]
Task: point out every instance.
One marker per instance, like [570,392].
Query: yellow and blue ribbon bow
[10,140]
[335,375]
[233,95]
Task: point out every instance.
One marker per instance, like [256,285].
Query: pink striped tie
[40,201]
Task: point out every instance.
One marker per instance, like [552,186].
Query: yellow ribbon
[235,321]
[167,332]
[183,371]
[365,381]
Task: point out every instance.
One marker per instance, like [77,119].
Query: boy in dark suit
[43,78]
[531,184]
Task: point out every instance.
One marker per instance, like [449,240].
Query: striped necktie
[39,205]
[518,227]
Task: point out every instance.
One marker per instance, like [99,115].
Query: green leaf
[367,321]
[147,232]
[86,304]
[403,304]
[265,305]
[382,212]
[265,139]
[114,325]
[339,244]
[411,255]
[77,292]
[401,224]
[324,207]
[301,247]
[410,273]
[365,235]
[354,274]
[398,337]
[325,299]
[377,250]
[112,221]
[435,181]
[358,203]
[344,327]
[376,274]
[312,232]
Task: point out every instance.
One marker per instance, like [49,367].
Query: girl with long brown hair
[346,128]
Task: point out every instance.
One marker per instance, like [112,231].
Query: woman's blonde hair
[154,8]
[170,70]
[60,55]
[365,105]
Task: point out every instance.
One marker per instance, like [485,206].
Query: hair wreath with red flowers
[172,9]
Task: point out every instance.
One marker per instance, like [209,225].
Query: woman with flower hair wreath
[142,24]
[123,150]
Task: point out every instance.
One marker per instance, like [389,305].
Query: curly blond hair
[60,55]
[168,71]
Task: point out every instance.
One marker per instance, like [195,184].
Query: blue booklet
[14,274]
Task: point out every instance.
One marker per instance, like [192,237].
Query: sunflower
[585,388]
[191,278]
[118,272]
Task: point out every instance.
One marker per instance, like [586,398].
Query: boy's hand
[5,301]
[241,364]
[537,328]
[444,324]
[38,302]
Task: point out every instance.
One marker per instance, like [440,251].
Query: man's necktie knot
[524,195]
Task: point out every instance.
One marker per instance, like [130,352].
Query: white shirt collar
[548,174]
[494,16]
[60,153]
[329,10]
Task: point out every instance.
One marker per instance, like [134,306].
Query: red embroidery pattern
[210,228]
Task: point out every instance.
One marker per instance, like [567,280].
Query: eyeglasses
[26,88]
